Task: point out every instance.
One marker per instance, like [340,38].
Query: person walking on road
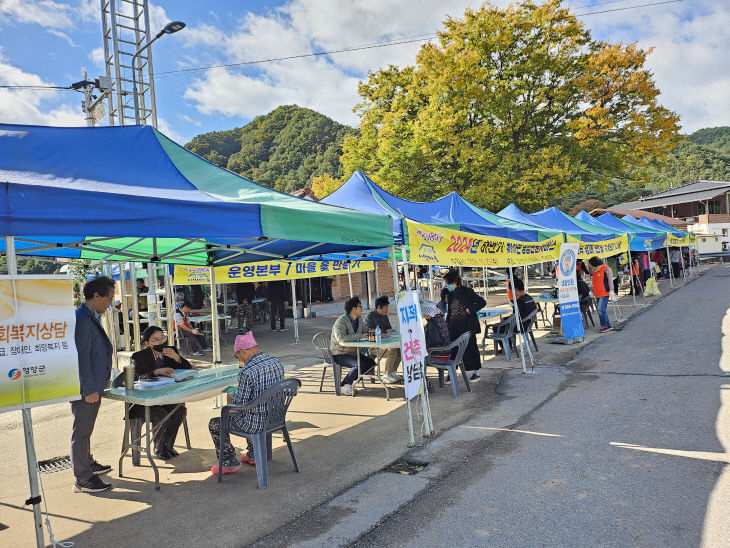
[95,363]
[278,299]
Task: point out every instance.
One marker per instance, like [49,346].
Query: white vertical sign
[412,342]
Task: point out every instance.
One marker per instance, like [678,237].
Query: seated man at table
[258,371]
[195,338]
[379,317]
[349,327]
[525,304]
[158,359]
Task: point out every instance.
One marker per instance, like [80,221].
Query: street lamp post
[170,28]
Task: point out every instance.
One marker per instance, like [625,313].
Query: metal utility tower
[126,28]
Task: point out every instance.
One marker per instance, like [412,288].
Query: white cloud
[31,106]
[45,13]
[63,36]
[188,119]
[689,61]
[96,56]
[326,84]
[167,130]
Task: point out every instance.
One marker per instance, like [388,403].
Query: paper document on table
[149,383]
[182,374]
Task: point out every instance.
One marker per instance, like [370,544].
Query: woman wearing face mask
[159,360]
[463,305]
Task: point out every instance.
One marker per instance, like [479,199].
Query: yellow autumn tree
[517,104]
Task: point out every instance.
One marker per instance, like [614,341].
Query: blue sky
[46,42]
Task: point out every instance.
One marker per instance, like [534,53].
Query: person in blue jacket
[95,364]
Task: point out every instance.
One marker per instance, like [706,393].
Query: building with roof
[703,205]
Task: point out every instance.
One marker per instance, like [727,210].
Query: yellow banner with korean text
[604,248]
[674,241]
[267,271]
[38,358]
[444,246]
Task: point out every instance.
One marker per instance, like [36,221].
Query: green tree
[284,149]
[517,104]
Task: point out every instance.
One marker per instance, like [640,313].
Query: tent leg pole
[294,311]
[377,282]
[527,289]
[406,274]
[215,328]
[27,423]
[136,331]
[371,304]
[486,283]
[430,282]
[349,279]
[671,270]
[518,325]
[152,294]
[170,312]
[394,266]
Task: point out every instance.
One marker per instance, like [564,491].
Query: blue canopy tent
[648,223]
[129,193]
[554,219]
[641,239]
[361,193]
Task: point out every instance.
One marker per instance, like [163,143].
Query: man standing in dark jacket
[278,292]
[95,364]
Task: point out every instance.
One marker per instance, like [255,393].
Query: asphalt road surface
[631,449]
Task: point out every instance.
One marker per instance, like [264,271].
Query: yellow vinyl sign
[605,248]
[444,246]
[673,241]
[266,271]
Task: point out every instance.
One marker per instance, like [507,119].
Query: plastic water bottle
[377,334]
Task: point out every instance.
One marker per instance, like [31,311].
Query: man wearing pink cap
[258,372]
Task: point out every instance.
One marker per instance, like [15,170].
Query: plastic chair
[461,343]
[321,342]
[180,338]
[275,400]
[527,324]
[136,423]
[585,310]
[503,332]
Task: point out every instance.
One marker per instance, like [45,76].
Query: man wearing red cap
[258,371]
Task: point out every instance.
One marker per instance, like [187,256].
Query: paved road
[631,449]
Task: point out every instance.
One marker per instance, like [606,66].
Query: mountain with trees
[704,154]
[284,149]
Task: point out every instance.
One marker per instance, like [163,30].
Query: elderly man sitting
[379,318]
[258,371]
[348,328]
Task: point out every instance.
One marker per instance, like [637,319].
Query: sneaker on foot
[273,329]
[389,379]
[248,460]
[602,329]
[198,353]
[395,376]
[226,469]
[209,349]
[93,485]
[430,387]
[346,390]
[475,376]
[98,469]
[283,329]
[447,380]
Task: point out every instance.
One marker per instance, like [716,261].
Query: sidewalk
[338,442]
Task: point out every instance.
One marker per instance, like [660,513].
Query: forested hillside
[283,149]
[704,154]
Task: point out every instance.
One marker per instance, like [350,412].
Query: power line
[422,38]
[39,88]
[407,40]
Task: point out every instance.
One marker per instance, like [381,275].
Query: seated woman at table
[159,360]
[350,327]
[437,335]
